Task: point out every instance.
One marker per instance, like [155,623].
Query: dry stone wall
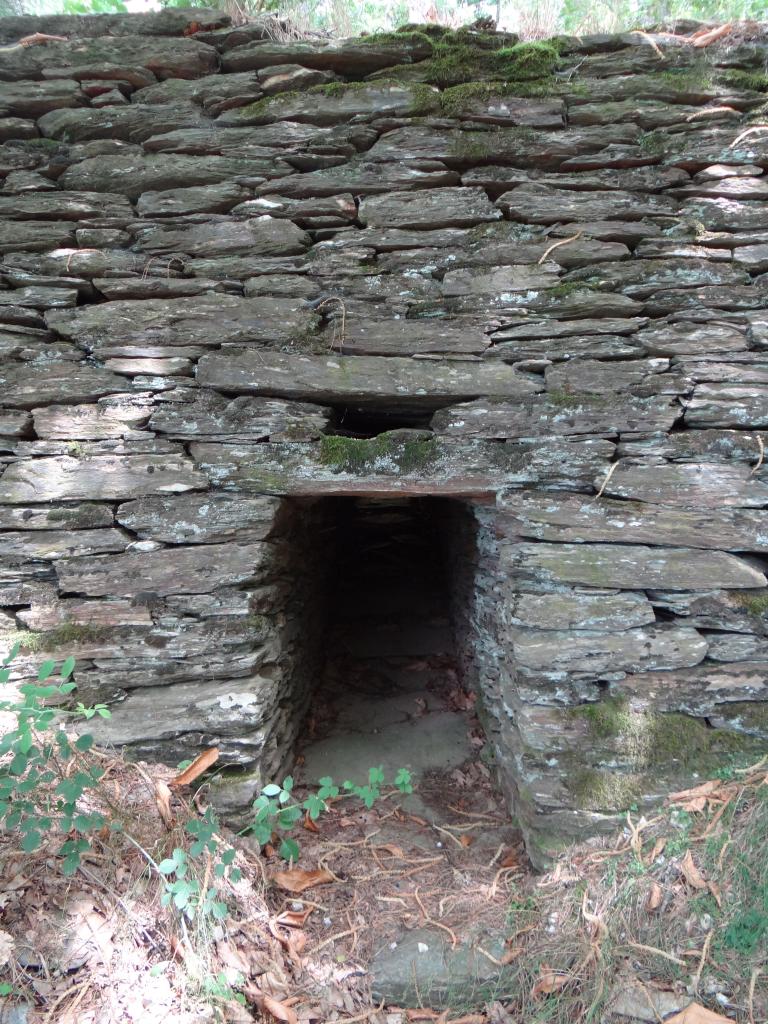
[540,269]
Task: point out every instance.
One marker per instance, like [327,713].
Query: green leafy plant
[277,811]
[39,791]
[182,888]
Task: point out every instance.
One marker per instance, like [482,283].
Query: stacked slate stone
[551,258]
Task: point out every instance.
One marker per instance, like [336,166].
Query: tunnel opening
[397,682]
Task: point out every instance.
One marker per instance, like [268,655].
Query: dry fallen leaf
[277,1009]
[232,957]
[163,801]
[691,873]
[294,918]
[653,901]
[198,766]
[658,849]
[697,1014]
[510,955]
[714,888]
[296,880]
[466,840]
[549,981]
[391,848]
[309,824]
[6,948]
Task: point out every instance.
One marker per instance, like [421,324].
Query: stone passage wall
[235,270]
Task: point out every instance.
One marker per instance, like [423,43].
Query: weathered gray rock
[637,376]
[202,199]
[553,517]
[333,106]
[541,204]
[643,649]
[450,208]
[55,517]
[261,236]
[133,174]
[701,690]
[556,414]
[629,567]
[177,570]
[723,405]
[413,337]
[521,278]
[642,278]
[516,147]
[19,100]
[206,320]
[129,123]
[199,518]
[64,206]
[100,478]
[335,211]
[398,463]
[214,94]
[363,178]
[39,298]
[358,379]
[597,612]
[115,416]
[26,386]
[205,414]
[670,339]
[697,485]
[62,543]
[165,58]
[347,56]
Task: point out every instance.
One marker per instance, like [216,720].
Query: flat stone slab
[429,208]
[177,570]
[632,567]
[727,405]
[554,517]
[163,58]
[199,518]
[97,478]
[556,413]
[132,174]
[396,464]
[574,610]
[700,485]
[645,649]
[333,107]
[204,414]
[26,385]
[359,379]
[205,320]
[541,204]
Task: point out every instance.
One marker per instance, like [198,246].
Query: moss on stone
[414,35]
[694,78]
[651,739]
[653,143]
[471,146]
[463,57]
[595,789]
[361,455]
[755,603]
[425,100]
[747,81]
[59,638]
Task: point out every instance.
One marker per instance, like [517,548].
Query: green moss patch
[459,58]
[383,452]
[657,739]
[756,603]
